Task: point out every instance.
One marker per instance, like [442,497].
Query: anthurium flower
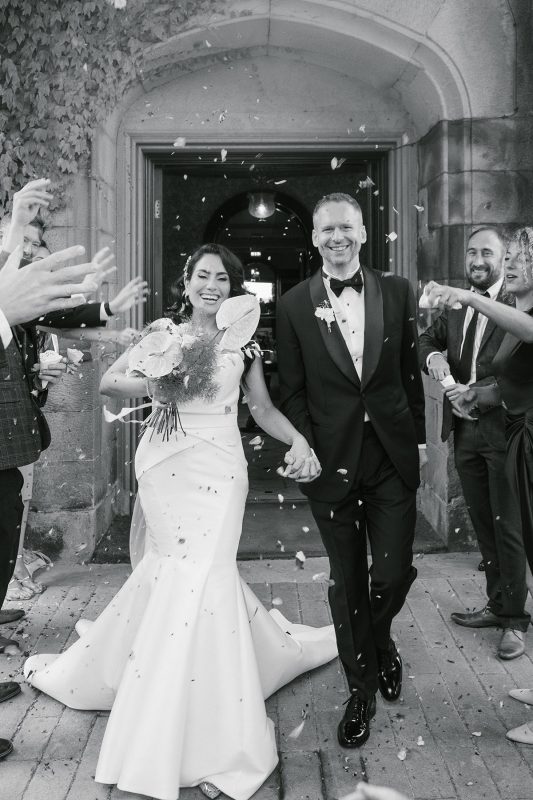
[156,355]
[238,317]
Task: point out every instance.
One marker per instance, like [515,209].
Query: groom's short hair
[337,197]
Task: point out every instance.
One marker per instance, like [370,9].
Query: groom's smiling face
[338,233]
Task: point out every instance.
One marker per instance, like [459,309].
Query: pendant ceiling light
[261,204]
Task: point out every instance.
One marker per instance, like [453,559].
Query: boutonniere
[325,312]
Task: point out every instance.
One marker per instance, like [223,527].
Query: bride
[185,654]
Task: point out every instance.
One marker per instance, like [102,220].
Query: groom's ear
[314,237]
[363,234]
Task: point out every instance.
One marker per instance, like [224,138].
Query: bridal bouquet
[180,361]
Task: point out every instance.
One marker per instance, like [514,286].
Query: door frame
[139,186]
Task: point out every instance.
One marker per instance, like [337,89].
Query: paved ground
[444,739]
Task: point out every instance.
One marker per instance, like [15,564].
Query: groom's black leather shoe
[390,672]
[354,727]
[484,618]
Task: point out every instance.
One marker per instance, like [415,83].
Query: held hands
[302,464]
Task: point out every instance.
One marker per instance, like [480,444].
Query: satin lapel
[374,324]
[333,339]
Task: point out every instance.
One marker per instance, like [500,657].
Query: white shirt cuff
[434,353]
[104,316]
[6,333]
[422,446]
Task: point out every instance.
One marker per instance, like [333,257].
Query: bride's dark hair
[181,309]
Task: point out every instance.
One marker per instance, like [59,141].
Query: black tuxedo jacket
[446,335]
[321,392]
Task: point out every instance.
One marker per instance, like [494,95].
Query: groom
[350,382]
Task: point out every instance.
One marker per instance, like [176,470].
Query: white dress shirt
[493,292]
[349,310]
[6,333]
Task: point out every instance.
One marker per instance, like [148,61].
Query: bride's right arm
[116,383]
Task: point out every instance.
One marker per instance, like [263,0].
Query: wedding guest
[512,389]
[471,340]
[23,298]
[25,227]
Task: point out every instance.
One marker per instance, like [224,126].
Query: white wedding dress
[185,654]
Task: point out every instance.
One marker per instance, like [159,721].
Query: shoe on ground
[16,591]
[9,689]
[523,734]
[523,695]
[209,790]
[5,748]
[484,618]
[512,644]
[9,646]
[390,672]
[11,615]
[354,727]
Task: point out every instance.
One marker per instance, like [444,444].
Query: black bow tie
[356,282]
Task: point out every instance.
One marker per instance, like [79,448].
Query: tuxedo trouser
[480,460]
[11,511]
[380,505]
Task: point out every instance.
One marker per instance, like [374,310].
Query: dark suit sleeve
[411,376]
[86,315]
[291,374]
[434,339]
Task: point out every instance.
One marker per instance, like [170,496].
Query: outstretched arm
[302,463]
[518,323]
[115,382]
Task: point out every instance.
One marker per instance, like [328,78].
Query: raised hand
[133,292]
[437,295]
[43,286]
[28,200]
[103,265]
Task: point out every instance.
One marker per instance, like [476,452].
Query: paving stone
[84,786]
[301,776]
[51,780]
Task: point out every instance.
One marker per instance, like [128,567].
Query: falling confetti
[295,733]
[336,163]
[476,733]
[181,141]
[280,498]
[367,183]
[342,471]
[300,559]
[402,754]
[420,742]
[223,154]
[305,529]
[362,128]
[391,237]
[419,208]
[256,440]
[277,601]
[320,576]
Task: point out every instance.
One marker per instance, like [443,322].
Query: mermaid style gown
[185,654]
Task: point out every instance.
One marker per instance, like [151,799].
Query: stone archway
[333,72]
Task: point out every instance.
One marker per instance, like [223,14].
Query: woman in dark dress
[513,369]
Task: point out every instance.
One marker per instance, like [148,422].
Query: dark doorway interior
[200,194]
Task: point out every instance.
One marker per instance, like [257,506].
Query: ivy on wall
[63,67]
